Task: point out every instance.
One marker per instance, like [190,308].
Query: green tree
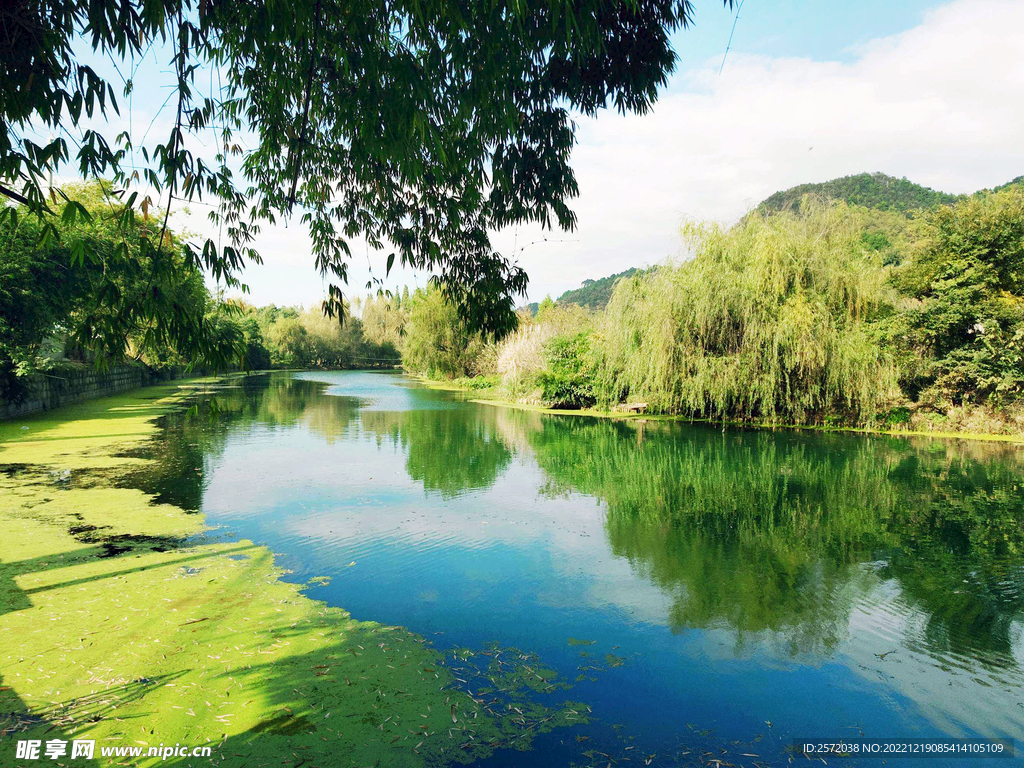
[569,379]
[545,307]
[772,319]
[384,318]
[289,343]
[967,327]
[98,287]
[423,126]
[257,356]
[438,341]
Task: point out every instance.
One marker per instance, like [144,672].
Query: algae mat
[121,625]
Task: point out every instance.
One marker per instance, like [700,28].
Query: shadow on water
[62,720]
[16,721]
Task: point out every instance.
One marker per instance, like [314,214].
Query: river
[700,589]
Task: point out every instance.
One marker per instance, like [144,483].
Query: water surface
[697,586]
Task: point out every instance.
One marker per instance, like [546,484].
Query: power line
[733,32]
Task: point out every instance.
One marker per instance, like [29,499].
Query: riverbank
[489,396]
[121,623]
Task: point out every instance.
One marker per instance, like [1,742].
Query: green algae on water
[117,626]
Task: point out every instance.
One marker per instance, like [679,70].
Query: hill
[594,294]
[871,190]
[1018,182]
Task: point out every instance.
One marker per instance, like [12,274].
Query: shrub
[568,380]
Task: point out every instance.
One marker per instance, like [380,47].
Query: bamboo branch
[14,195]
[305,108]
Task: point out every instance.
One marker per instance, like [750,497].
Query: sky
[809,91]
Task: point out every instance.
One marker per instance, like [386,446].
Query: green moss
[118,624]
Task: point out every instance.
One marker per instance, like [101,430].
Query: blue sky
[826,31]
[810,91]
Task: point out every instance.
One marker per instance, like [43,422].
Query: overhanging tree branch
[305,108]
[14,196]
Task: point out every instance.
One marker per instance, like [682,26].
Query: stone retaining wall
[52,390]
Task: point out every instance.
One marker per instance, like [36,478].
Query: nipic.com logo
[29,749]
[85,749]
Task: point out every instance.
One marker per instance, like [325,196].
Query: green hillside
[1018,182]
[871,190]
[595,293]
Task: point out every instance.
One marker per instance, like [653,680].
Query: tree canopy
[870,190]
[418,126]
[94,289]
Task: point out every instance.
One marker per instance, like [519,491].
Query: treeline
[292,337]
[592,294]
[832,314]
[113,287]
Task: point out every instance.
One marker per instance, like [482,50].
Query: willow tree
[437,341]
[420,126]
[770,319]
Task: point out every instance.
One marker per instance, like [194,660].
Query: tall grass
[769,319]
[522,356]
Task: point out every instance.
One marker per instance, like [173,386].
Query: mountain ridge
[871,190]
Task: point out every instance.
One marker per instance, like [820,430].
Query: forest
[94,296]
[825,313]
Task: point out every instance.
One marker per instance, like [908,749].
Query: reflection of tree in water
[768,531]
[449,451]
[190,439]
[963,562]
[755,531]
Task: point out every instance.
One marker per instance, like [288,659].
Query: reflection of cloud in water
[569,532]
[953,691]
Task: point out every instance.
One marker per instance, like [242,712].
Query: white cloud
[940,103]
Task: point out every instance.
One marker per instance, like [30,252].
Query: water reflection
[768,530]
[448,451]
[806,559]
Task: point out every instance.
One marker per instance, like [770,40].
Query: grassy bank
[116,624]
[491,395]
